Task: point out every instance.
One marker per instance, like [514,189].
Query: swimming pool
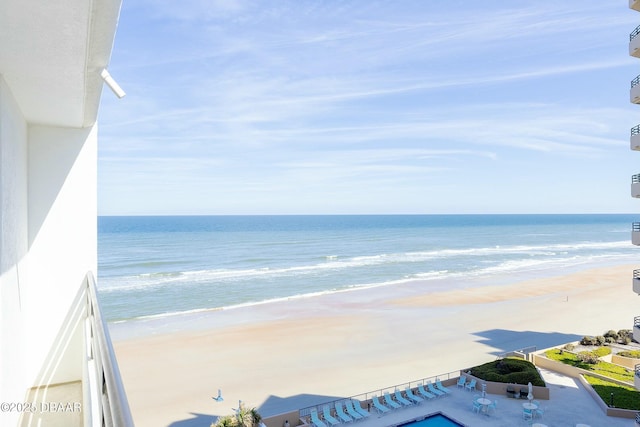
[436,420]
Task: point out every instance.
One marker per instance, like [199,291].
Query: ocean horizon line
[363,214]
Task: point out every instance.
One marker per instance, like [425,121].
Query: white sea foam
[528,256]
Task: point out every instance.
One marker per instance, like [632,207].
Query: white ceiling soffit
[51,56]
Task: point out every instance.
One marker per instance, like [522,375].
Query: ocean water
[159,266]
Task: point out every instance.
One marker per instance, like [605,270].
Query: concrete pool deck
[569,404]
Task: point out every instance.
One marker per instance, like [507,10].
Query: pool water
[437,420]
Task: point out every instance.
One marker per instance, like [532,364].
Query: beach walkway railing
[366,397]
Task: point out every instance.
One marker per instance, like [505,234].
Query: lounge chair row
[345,411]
[409,398]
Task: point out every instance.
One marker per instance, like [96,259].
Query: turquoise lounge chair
[400,398]
[389,401]
[425,393]
[435,391]
[440,387]
[359,409]
[461,382]
[379,406]
[315,420]
[412,396]
[326,413]
[341,414]
[350,411]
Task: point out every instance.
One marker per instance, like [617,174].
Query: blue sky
[365,106]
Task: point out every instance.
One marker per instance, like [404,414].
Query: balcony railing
[366,397]
[105,391]
[636,322]
[634,33]
[635,130]
[635,81]
[635,179]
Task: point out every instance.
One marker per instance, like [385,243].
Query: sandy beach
[290,353]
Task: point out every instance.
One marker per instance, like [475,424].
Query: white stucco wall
[62,186]
[48,241]
[13,250]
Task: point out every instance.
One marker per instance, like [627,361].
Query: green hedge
[509,370]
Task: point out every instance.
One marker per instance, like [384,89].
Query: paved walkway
[570,404]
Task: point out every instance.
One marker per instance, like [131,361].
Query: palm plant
[244,417]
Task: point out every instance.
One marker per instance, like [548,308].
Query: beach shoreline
[343,344]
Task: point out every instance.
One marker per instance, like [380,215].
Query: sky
[369,107]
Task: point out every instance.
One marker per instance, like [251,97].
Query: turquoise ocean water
[159,266]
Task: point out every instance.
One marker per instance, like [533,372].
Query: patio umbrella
[530,395]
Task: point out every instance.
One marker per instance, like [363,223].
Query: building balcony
[636,335]
[636,281]
[635,185]
[634,4]
[97,397]
[634,42]
[635,90]
[636,378]
[635,234]
[635,137]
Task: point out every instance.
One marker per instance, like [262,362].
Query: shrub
[625,336]
[569,347]
[600,340]
[588,357]
[509,370]
[244,417]
[612,334]
[587,340]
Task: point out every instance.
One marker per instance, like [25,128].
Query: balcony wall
[634,4]
[634,140]
[635,91]
[635,234]
[635,185]
[634,42]
[13,251]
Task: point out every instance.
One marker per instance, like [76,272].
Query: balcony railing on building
[635,90]
[634,42]
[105,391]
[635,185]
[636,328]
[635,136]
[636,281]
[635,233]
